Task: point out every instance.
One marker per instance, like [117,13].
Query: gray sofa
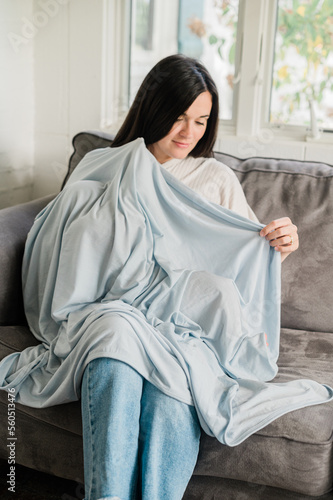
[290,458]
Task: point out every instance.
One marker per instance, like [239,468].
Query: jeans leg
[169,444]
[110,399]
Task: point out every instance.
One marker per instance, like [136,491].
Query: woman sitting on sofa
[140,377]
[132,429]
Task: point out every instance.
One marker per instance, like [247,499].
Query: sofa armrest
[15,223]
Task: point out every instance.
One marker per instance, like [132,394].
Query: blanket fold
[129,263]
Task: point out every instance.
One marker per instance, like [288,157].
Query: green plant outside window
[303,64]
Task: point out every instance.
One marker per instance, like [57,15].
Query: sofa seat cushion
[38,431]
[295,451]
[217,488]
[14,338]
[66,416]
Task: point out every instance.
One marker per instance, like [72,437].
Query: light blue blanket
[129,263]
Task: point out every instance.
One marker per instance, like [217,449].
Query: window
[272,60]
[153,36]
[303,64]
[204,29]
[215,27]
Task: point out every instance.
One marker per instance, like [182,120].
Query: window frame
[116,41]
[293,132]
[254,63]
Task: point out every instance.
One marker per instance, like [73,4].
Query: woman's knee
[103,375]
[177,417]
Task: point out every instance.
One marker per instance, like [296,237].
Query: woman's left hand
[282,236]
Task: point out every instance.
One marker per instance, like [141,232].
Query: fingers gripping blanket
[129,263]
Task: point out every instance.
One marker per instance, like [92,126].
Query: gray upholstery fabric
[292,453]
[15,223]
[212,488]
[82,144]
[304,192]
[43,446]
[48,439]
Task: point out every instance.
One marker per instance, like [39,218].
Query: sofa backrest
[83,142]
[277,188]
[303,191]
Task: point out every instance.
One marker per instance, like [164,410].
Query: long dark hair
[166,93]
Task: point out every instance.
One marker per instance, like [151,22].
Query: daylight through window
[303,64]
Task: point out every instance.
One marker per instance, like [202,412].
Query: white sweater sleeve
[214,181]
[231,192]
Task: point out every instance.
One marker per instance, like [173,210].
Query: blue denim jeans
[138,442]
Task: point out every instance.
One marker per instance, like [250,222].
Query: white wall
[52,86]
[16,103]
[267,144]
[68,72]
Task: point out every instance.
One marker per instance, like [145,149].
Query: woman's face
[186,132]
